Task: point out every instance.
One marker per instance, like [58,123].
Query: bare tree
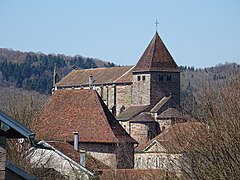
[216,154]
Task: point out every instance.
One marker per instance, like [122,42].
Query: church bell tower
[155,75]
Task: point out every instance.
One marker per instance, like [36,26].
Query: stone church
[144,98]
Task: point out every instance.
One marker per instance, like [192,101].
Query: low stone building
[167,150]
[83,113]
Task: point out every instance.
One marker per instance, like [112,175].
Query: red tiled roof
[78,77]
[82,111]
[177,137]
[156,58]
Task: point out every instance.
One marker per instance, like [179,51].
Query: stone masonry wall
[141,89]
[105,153]
[124,97]
[114,95]
[163,84]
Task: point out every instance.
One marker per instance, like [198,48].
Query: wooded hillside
[34,71]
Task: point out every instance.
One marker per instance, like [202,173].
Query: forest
[34,71]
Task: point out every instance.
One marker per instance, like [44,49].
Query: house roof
[173,113]
[19,172]
[78,77]
[45,152]
[81,111]
[11,128]
[156,57]
[143,117]
[160,104]
[177,137]
[131,112]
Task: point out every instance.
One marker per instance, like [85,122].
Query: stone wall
[114,155]
[141,88]
[142,132]
[163,84]
[115,96]
[124,97]
[105,153]
[164,123]
[125,125]
[159,160]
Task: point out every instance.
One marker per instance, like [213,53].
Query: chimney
[82,157]
[75,141]
[90,81]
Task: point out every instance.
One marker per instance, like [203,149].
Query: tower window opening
[144,78]
[169,78]
[160,77]
[139,78]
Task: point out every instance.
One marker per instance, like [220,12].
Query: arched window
[139,163]
[149,162]
[169,77]
[139,78]
[160,77]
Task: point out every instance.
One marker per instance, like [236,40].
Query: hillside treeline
[35,72]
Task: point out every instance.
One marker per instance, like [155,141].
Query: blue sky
[197,33]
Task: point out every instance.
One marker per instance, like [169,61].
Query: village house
[168,150]
[80,118]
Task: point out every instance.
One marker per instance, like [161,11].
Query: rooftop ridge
[124,74]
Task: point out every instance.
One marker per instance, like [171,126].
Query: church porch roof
[131,112]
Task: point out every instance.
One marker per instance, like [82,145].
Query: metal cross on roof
[156,23]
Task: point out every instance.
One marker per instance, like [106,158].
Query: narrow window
[160,77]
[139,78]
[149,162]
[122,109]
[169,77]
[157,163]
[163,163]
[139,163]
[144,78]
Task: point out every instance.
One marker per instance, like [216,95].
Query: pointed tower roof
[156,58]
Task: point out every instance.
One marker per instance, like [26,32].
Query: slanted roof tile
[156,58]
[82,111]
[131,112]
[177,137]
[79,77]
